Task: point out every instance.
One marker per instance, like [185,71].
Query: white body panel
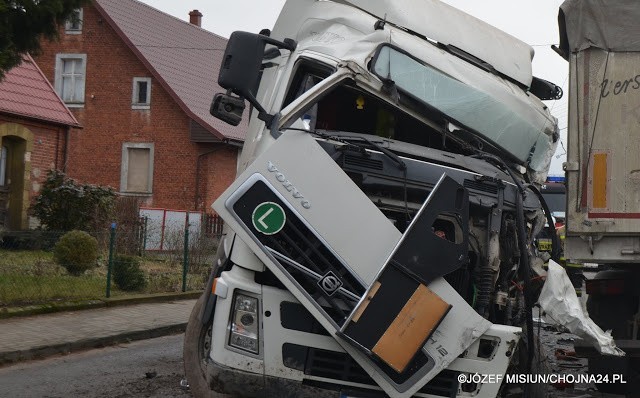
[275,335]
[358,233]
[437,21]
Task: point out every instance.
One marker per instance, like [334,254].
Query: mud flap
[332,248]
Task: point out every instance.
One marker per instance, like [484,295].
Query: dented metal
[329,186]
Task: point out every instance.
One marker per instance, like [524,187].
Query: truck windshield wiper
[348,139]
[391,155]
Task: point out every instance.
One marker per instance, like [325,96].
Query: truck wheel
[614,313]
[197,345]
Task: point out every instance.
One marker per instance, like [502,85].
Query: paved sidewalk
[45,335]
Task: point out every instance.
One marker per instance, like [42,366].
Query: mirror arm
[286,44]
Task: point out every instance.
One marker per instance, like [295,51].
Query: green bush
[127,273]
[64,204]
[77,251]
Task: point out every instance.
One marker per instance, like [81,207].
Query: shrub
[77,251]
[65,205]
[127,273]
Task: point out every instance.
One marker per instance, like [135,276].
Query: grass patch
[18,289]
[32,277]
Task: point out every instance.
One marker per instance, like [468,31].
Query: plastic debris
[565,355]
[559,300]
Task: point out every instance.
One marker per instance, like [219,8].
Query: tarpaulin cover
[559,300]
[607,24]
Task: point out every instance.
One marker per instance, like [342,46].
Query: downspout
[66,148]
[57,149]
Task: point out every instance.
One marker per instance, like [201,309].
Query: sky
[532,21]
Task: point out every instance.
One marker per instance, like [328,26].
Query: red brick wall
[218,170]
[108,120]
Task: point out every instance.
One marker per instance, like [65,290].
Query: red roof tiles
[183,57]
[25,91]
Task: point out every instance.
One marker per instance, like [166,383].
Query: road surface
[149,368]
[153,369]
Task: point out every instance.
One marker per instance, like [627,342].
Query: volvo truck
[379,236]
[600,42]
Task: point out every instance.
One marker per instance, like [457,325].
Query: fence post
[144,237]
[185,261]
[112,241]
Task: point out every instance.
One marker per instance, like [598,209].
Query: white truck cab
[378,235]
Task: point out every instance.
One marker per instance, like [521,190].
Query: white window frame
[124,167]
[135,92]
[68,25]
[60,58]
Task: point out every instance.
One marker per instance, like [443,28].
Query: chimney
[195,17]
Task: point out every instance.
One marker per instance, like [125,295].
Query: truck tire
[197,345]
[613,313]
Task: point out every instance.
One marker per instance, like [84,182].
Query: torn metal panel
[399,312]
[326,242]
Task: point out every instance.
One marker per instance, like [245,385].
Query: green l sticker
[268,218]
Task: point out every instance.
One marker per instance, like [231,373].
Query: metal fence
[31,273]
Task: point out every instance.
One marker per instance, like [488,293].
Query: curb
[11,357]
[49,308]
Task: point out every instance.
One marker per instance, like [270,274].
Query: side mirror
[240,71]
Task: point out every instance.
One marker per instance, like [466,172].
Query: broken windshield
[483,110]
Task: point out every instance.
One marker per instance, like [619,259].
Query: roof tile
[182,55]
[25,91]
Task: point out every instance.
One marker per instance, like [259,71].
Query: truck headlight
[245,323]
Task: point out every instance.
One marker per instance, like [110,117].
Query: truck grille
[362,161]
[491,188]
[340,367]
[303,255]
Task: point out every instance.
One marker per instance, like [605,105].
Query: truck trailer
[600,42]
[379,236]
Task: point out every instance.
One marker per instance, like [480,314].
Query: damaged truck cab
[378,235]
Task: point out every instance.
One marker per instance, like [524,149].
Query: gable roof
[26,92]
[184,58]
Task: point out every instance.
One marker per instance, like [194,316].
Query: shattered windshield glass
[522,135]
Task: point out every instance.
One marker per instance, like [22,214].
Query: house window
[73,26]
[4,151]
[70,78]
[141,94]
[136,175]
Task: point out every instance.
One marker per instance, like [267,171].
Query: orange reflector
[599,181]
[213,286]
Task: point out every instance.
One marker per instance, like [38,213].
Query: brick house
[140,82]
[34,124]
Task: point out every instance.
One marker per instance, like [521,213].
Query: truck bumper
[248,385]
